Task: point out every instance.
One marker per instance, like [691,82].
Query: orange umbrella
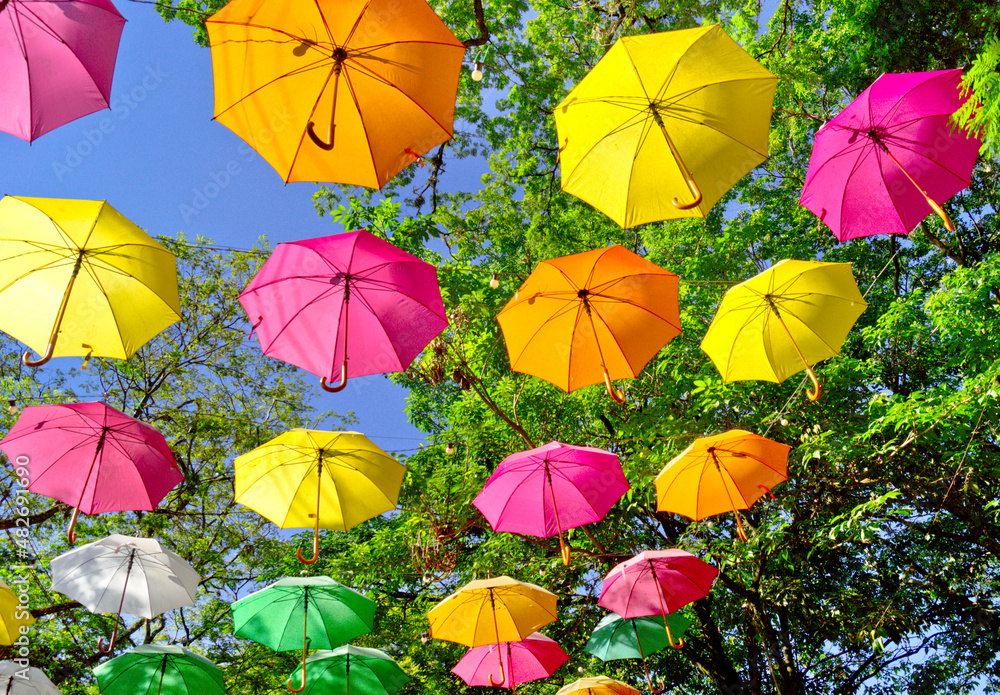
[591,317]
[346,91]
[726,472]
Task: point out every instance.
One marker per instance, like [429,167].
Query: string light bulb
[12,406]
[477,72]
[450,449]
[494,281]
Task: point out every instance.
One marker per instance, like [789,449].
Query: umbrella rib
[364,129]
[366,71]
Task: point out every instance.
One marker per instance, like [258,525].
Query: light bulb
[11,406]
[494,281]
[477,72]
[450,449]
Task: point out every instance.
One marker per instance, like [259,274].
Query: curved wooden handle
[313,559]
[26,357]
[311,132]
[339,387]
[695,191]
[617,395]
[810,394]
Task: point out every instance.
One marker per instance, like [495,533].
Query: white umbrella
[138,574]
[24,680]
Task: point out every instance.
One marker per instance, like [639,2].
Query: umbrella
[271,616]
[22,680]
[57,59]
[784,320]
[93,279]
[883,163]
[321,479]
[656,582]
[331,92]
[490,611]
[723,473]
[148,578]
[309,293]
[351,669]
[153,669]
[544,490]
[591,317]
[535,657]
[92,457]
[598,685]
[616,637]
[664,116]
[15,618]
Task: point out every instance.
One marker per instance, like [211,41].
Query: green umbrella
[154,669]
[308,611]
[632,638]
[351,669]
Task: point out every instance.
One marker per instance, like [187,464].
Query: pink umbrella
[521,495]
[519,662]
[91,456]
[57,58]
[656,582]
[884,162]
[309,293]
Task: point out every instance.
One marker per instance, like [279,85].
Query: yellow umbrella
[77,278]
[784,320]
[726,472]
[347,91]
[306,478]
[598,685]
[14,616]
[664,125]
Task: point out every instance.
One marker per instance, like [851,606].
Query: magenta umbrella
[542,491]
[884,162]
[57,58]
[519,662]
[656,582]
[350,303]
[91,456]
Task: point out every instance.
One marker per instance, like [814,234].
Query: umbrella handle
[811,394]
[315,555]
[26,357]
[616,394]
[70,533]
[695,191]
[339,387]
[564,550]
[302,686]
[670,638]
[948,224]
[111,646]
[503,679]
[310,130]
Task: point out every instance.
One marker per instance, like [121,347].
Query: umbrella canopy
[786,319]
[726,472]
[308,478]
[93,279]
[616,637]
[309,293]
[16,679]
[554,487]
[154,669]
[891,157]
[664,125]
[342,91]
[15,617]
[353,671]
[92,457]
[591,317]
[122,574]
[598,685]
[519,662]
[656,582]
[489,611]
[57,59]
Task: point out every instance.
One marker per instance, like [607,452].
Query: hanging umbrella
[351,670]
[656,582]
[92,279]
[138,574]
[598,685]
[892,156]
[616,637]
[554,487]
[791,316]
[308,478]
[92,457]
[591,317]
[331,92]
[723,473]
[309,293]
[15,617]
[661,119]
[57,59]
[16,679]
[155,669]
[490,611]
[534,658]
[271,616]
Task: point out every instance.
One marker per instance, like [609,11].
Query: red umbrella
[884,162]
[656,582]
[93,457]
[350,303]
[534,658]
